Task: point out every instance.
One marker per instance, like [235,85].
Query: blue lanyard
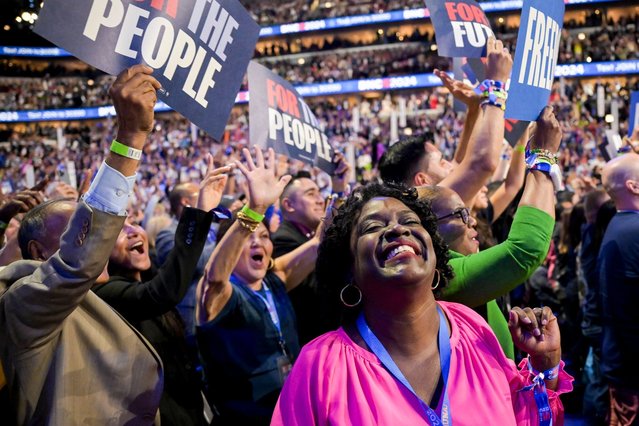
[444,358]
[270,306]
[538,387]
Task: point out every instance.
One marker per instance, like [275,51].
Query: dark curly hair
[335,259]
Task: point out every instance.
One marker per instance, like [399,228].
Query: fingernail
[544,321]
[511,317]
[541,338]
[536,332]
[526,320]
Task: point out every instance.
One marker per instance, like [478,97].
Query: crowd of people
[149,273]
[391,54]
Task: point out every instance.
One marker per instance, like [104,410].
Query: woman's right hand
[548,132]
[264,185]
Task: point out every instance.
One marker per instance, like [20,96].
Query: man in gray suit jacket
[69,358]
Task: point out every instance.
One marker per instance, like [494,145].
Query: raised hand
[499,63]
[212,186]
[341,172]
[134,96]
[548,132]
[264,185]
[20,202]
[460,90]
[536,332]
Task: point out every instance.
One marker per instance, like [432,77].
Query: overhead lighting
[301,61]
[18,19]
[26,16]
[588,59]
[433,47]
[7,28]
[581,36]
[500,20]
[610,118]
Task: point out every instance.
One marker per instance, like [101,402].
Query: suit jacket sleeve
[139,301]
[35,306]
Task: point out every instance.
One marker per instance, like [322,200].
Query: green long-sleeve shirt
[484,276]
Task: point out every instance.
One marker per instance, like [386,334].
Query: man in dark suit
[302,208]
[68,357]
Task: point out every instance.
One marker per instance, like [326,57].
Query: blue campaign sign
[280,119]
[633,119]
[535,58]
[199,49]
[461,27]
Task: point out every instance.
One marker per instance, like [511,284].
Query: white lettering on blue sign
[541,46]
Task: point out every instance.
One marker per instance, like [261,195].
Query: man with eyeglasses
[480,277]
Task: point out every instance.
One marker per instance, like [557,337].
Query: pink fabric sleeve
[298,403]
[524,401]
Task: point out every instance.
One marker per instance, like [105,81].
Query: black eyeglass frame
[462,212]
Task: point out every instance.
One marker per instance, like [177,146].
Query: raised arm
[481,277]
[36,305]
[214,289]
[465,94]
[507,191]
[482,155]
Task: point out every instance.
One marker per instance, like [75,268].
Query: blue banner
[535,58]
[33,52]
[633,119]
[199,49]
[280,119]
[412,81]
[461,28]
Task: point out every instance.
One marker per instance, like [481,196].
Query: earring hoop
[271,264]
[359,298]
[433,287]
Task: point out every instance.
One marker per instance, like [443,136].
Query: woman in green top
[480,277]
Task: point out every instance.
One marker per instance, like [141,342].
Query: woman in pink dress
[403,358]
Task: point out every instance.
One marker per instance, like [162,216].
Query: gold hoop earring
[433,287]
[359,296]
[271,264]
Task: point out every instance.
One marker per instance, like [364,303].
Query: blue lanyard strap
[444,358]
[538,387]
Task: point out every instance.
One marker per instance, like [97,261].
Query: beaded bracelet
[246,222]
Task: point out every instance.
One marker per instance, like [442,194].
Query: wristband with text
[125,151]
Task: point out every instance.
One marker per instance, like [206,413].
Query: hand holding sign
[134,96]
[499,63]
[264,186]
[548,132]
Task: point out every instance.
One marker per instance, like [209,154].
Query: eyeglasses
[461,212]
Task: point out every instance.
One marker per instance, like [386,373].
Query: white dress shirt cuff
[110,191]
